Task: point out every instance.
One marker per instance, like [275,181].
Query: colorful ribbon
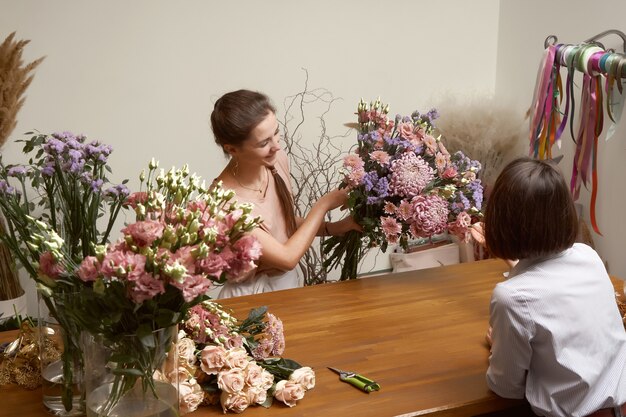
[547,123]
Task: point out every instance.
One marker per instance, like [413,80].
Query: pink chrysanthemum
[390,208]
[353,161]
[430,215]
[409,175]
[381,157]
[391,229]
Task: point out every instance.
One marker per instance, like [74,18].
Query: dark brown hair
[234,117]
[530,211]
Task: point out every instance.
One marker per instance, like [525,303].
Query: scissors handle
[362,383]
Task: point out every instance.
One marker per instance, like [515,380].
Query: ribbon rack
[601,89]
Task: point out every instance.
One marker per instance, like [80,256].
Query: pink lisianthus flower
[89,269]
[137,198]
[248,248]
[213,265]
[145,232]
[449,173]
[184,257]
[49,266]
[192,286]
[145,287]
[431,144]
[460,227]
[231,218]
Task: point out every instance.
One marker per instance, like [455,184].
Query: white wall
[142,75]
[523,28]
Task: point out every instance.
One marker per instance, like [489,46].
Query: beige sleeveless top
[267,205]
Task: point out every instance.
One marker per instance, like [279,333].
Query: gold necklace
[258,190]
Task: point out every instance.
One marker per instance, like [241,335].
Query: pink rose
[89,269]
[48,266]
[144,232]
[190,396]
[449,172]
[236,403]
[303,376]
[288,392]
[231,380]
[186,349]
[407,130]
[212,359]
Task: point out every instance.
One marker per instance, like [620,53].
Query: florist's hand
[335,198]
[488,336]
[344,225]
[478,233]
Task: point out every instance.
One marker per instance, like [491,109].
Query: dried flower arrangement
[484,130]
[15,77]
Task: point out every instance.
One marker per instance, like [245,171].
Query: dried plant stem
[315,165]
[10,287]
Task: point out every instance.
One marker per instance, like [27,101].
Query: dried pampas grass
[14,79]
[482,129]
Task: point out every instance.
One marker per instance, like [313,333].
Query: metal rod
[608,32]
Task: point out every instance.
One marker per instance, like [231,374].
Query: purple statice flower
[54,146]
[75,167]
[119,190]
[6,189]
[430,215]
[476,188]
[460,203]
[96,185]
[398,119]
[382,187]
[406,119]
[410,174]
[75,155]
[48,170]
[17,171]
[432,115]
[98,151]
[372,199]
[370,179]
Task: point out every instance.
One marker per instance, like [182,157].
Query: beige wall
[142,75]
[523,28]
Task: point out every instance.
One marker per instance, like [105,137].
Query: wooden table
[420,334]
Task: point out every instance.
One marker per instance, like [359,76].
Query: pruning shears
[357,380]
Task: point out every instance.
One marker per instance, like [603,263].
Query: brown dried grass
[15,77]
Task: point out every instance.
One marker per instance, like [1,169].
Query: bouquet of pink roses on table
[235,364]
[404,185]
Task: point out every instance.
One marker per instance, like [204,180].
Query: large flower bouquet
[404,185]
[186,237]
[234,363]
[53,206]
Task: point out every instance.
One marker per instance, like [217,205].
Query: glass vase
[60,356]
[132,376]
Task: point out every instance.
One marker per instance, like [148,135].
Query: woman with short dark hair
[556,334]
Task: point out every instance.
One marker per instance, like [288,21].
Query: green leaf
[127,372]
[144,333]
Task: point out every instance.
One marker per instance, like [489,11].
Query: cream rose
[288,392]
[303,376]
[237,358]
[236,403]
[267,380]
[212,359]
[256,395]
[231,380]
[186,351]
[190,396]
[254,375]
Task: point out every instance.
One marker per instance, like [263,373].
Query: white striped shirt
[558,338]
